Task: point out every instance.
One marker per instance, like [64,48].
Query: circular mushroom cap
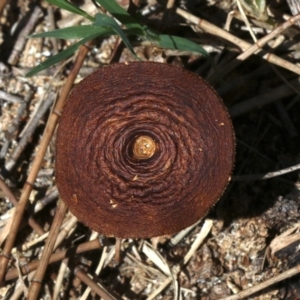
[143,149]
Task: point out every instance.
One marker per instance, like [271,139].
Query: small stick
[179,236]
[248,292]
[200,237]
[167,12]
[57,256]
[11,197]
[40,204]
[117,52]
[263,99]
[118,250]
[212,29]
[36,284]
[2,4]
[65,231]
[245,19]
[119,45]
[9,97]
[52,27]
[53,120]
[170,4]
[22,112]
[59,280]
[205,230]
[96,287]
[266,175]
[255,48]
[87,291]
[294,7]
[21,40]
[19,291]
[27,134]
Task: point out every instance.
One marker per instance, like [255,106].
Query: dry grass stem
[206,228]
[264,99]
[21,40]
[212,29]
[57,256]
[48,249]
[9,194]
[179,236]
[87,291]
[245,19]
[267,175]
[97,287]
[285,239]
[38,160]
[60,277]
[259,287]
[260,43]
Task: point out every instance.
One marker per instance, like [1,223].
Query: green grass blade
[122,15]
[70,7]
[179,43]
[75,32]
[106,21]
[58,57]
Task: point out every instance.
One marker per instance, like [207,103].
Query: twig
[212,29]
[11,197]
[2,4]
[87,291]
[40,204]
[65,231]
[206,228]
[245,19]
[246,293]
[179,236]
[19,291]
[57,256]
[282,241]
[53,119]
[59,280]
[44,261]
[118,251]
[294,7]
[27,134]
[96,287]
[52,27]
[254,49]
[266,175]
[15,123]
[263,99]
[201,236]
[21,40]
[9,97]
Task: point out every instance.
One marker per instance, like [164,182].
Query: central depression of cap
[143,149]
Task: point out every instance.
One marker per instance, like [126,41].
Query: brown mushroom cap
[143,149]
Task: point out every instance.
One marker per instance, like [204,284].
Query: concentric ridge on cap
[123,191]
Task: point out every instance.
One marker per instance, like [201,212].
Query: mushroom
[143,149]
